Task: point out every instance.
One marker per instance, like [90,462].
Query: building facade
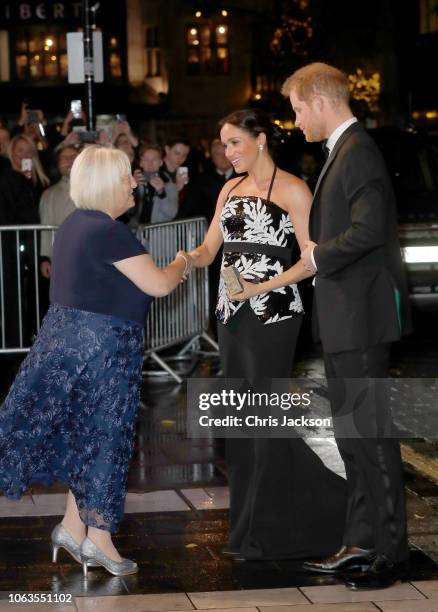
[33,54]
[177,66]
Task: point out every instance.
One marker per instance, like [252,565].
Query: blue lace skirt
[70,413]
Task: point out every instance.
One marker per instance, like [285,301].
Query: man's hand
[306,255]
[139,177]
[45,268]
[249,290]
[157,184]
[181,181]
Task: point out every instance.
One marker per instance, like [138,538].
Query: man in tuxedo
[360,308]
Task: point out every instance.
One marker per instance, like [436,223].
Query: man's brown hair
[318,78]
[149,146]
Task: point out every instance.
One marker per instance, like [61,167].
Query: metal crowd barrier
[183,316]
[180,318]
[20,291]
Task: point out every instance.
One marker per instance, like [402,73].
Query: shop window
[115,57]
[115,65]
[40,54]
[207,49]
[428,16]
[153,52]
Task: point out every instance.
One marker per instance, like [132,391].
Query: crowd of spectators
[174,181]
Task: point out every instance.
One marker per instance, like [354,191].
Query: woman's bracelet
[186,262]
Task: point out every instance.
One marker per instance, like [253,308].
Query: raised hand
[139,177]
[157,183]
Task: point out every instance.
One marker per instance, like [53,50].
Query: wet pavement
[177,521]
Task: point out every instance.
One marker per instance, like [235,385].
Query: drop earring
[261,147]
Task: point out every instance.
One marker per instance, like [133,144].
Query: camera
[88,136]
[149,175]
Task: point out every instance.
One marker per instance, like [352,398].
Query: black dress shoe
[228,552]
[233,555]
[348,557]
[381,574]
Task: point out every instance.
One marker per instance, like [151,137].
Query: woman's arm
[205,253]
[294,274]
[143,272]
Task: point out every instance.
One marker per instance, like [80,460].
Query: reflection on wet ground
[176,521]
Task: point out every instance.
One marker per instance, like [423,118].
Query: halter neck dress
[284,502]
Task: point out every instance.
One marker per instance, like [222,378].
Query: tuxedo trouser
[367,442]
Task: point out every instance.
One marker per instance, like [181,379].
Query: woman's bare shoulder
[288,183]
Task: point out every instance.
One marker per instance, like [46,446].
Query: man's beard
[315,134]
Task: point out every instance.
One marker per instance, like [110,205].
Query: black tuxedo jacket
[360,295]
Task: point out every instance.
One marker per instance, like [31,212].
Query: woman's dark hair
[254,121]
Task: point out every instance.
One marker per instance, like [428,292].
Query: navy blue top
[83,277]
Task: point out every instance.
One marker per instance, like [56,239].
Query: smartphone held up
[183,172]
[26,167]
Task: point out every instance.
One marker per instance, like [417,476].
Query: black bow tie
[325,149]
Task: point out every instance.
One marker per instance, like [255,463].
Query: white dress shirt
[337,133]
[330,144]
[227,174]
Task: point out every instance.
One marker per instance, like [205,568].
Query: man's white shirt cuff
[313,258]
[313,264]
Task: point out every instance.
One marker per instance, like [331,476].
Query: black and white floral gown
[259,240]
[284,502]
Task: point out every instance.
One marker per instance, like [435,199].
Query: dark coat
[360,275]
[18,199]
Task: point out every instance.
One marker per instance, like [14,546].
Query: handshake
[189,259]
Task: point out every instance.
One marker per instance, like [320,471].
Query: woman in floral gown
[284,502]
[71,410]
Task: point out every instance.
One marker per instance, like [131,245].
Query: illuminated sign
[34,12]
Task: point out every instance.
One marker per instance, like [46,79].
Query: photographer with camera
[156,198]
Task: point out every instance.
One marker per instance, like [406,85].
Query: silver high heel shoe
[92,556]
[62,539]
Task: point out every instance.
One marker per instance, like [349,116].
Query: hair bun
[255,121]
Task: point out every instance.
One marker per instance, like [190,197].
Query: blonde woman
[24,158]
[71,410]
